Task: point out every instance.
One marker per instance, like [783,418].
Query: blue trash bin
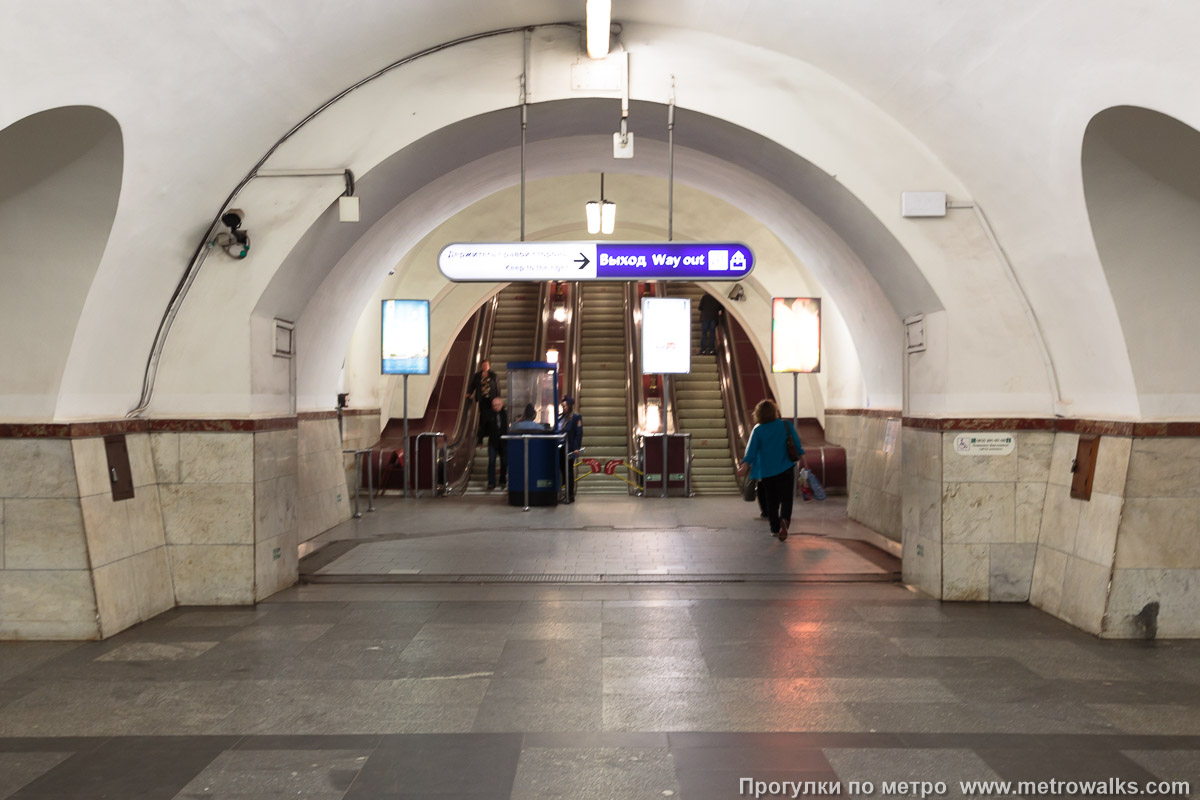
[543,471]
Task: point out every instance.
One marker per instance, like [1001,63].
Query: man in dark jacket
[572,425]
[495,428]
[483,388]
[710,315]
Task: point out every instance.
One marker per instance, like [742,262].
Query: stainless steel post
[665,472]
[526,444]
[795,421]
[357,482]
[687,467]
[370,482]
[406,437]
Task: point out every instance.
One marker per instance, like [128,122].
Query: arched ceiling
[987,102]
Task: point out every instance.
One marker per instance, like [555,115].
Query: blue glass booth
[534,449]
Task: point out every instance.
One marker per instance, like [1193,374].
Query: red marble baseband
[222,425]
[1099,427]
[84,430]
[1166,429]
[863,412]
[309,416]
[361,412]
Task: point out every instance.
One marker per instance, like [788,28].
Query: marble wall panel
[921,487]
[1060,519]
[1160,532]
[145,521]
[215,575]
[1034,449]
[1164,467]
[1010,572]
[116,597]
[965,572]
[1133,590]
[1096,537]
[1,533]
[1065,447]
[1084,594]
[44,535]
[216,458]
[152,577]
[1112,465]
[1030,500]
[91,466]
[877,481]
[957,467]
[843,430]
[1049,572]
[275,565]
[275,507]
[42,468]
[275,454]
[979,513]
[107,526]
[208,513]
[50,604]
[164,449]
[322,494]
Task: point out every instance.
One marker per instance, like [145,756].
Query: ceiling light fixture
[599,26]
[601,214]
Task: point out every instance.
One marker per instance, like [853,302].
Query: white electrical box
[622,148]
[923,204]
[347,209]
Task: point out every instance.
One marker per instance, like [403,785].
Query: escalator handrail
[461,447]
[634,400]
[732,393]
[574,380]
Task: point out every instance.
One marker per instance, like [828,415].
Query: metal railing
[434,460]
[561,438]
[358,481]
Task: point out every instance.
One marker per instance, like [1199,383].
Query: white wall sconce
[601,215]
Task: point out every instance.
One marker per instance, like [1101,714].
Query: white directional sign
[584,261]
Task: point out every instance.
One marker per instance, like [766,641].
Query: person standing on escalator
[497,429]
[572,425]
[483,388]
[710,314]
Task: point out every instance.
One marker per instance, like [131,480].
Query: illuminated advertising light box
[666,335]
[405,337]
[796,334]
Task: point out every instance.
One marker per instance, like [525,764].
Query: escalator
[700,411]
[603,382]
[513,339]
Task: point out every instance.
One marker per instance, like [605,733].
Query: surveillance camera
[737,292]
[232,218]
[235,241]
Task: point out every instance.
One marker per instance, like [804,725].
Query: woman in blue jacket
[769,463]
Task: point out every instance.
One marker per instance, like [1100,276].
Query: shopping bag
[749,490]
[817,489]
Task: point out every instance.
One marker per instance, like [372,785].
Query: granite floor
[703,687]
[407,691]
[599,539]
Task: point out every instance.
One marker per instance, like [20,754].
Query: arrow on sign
[585,260]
